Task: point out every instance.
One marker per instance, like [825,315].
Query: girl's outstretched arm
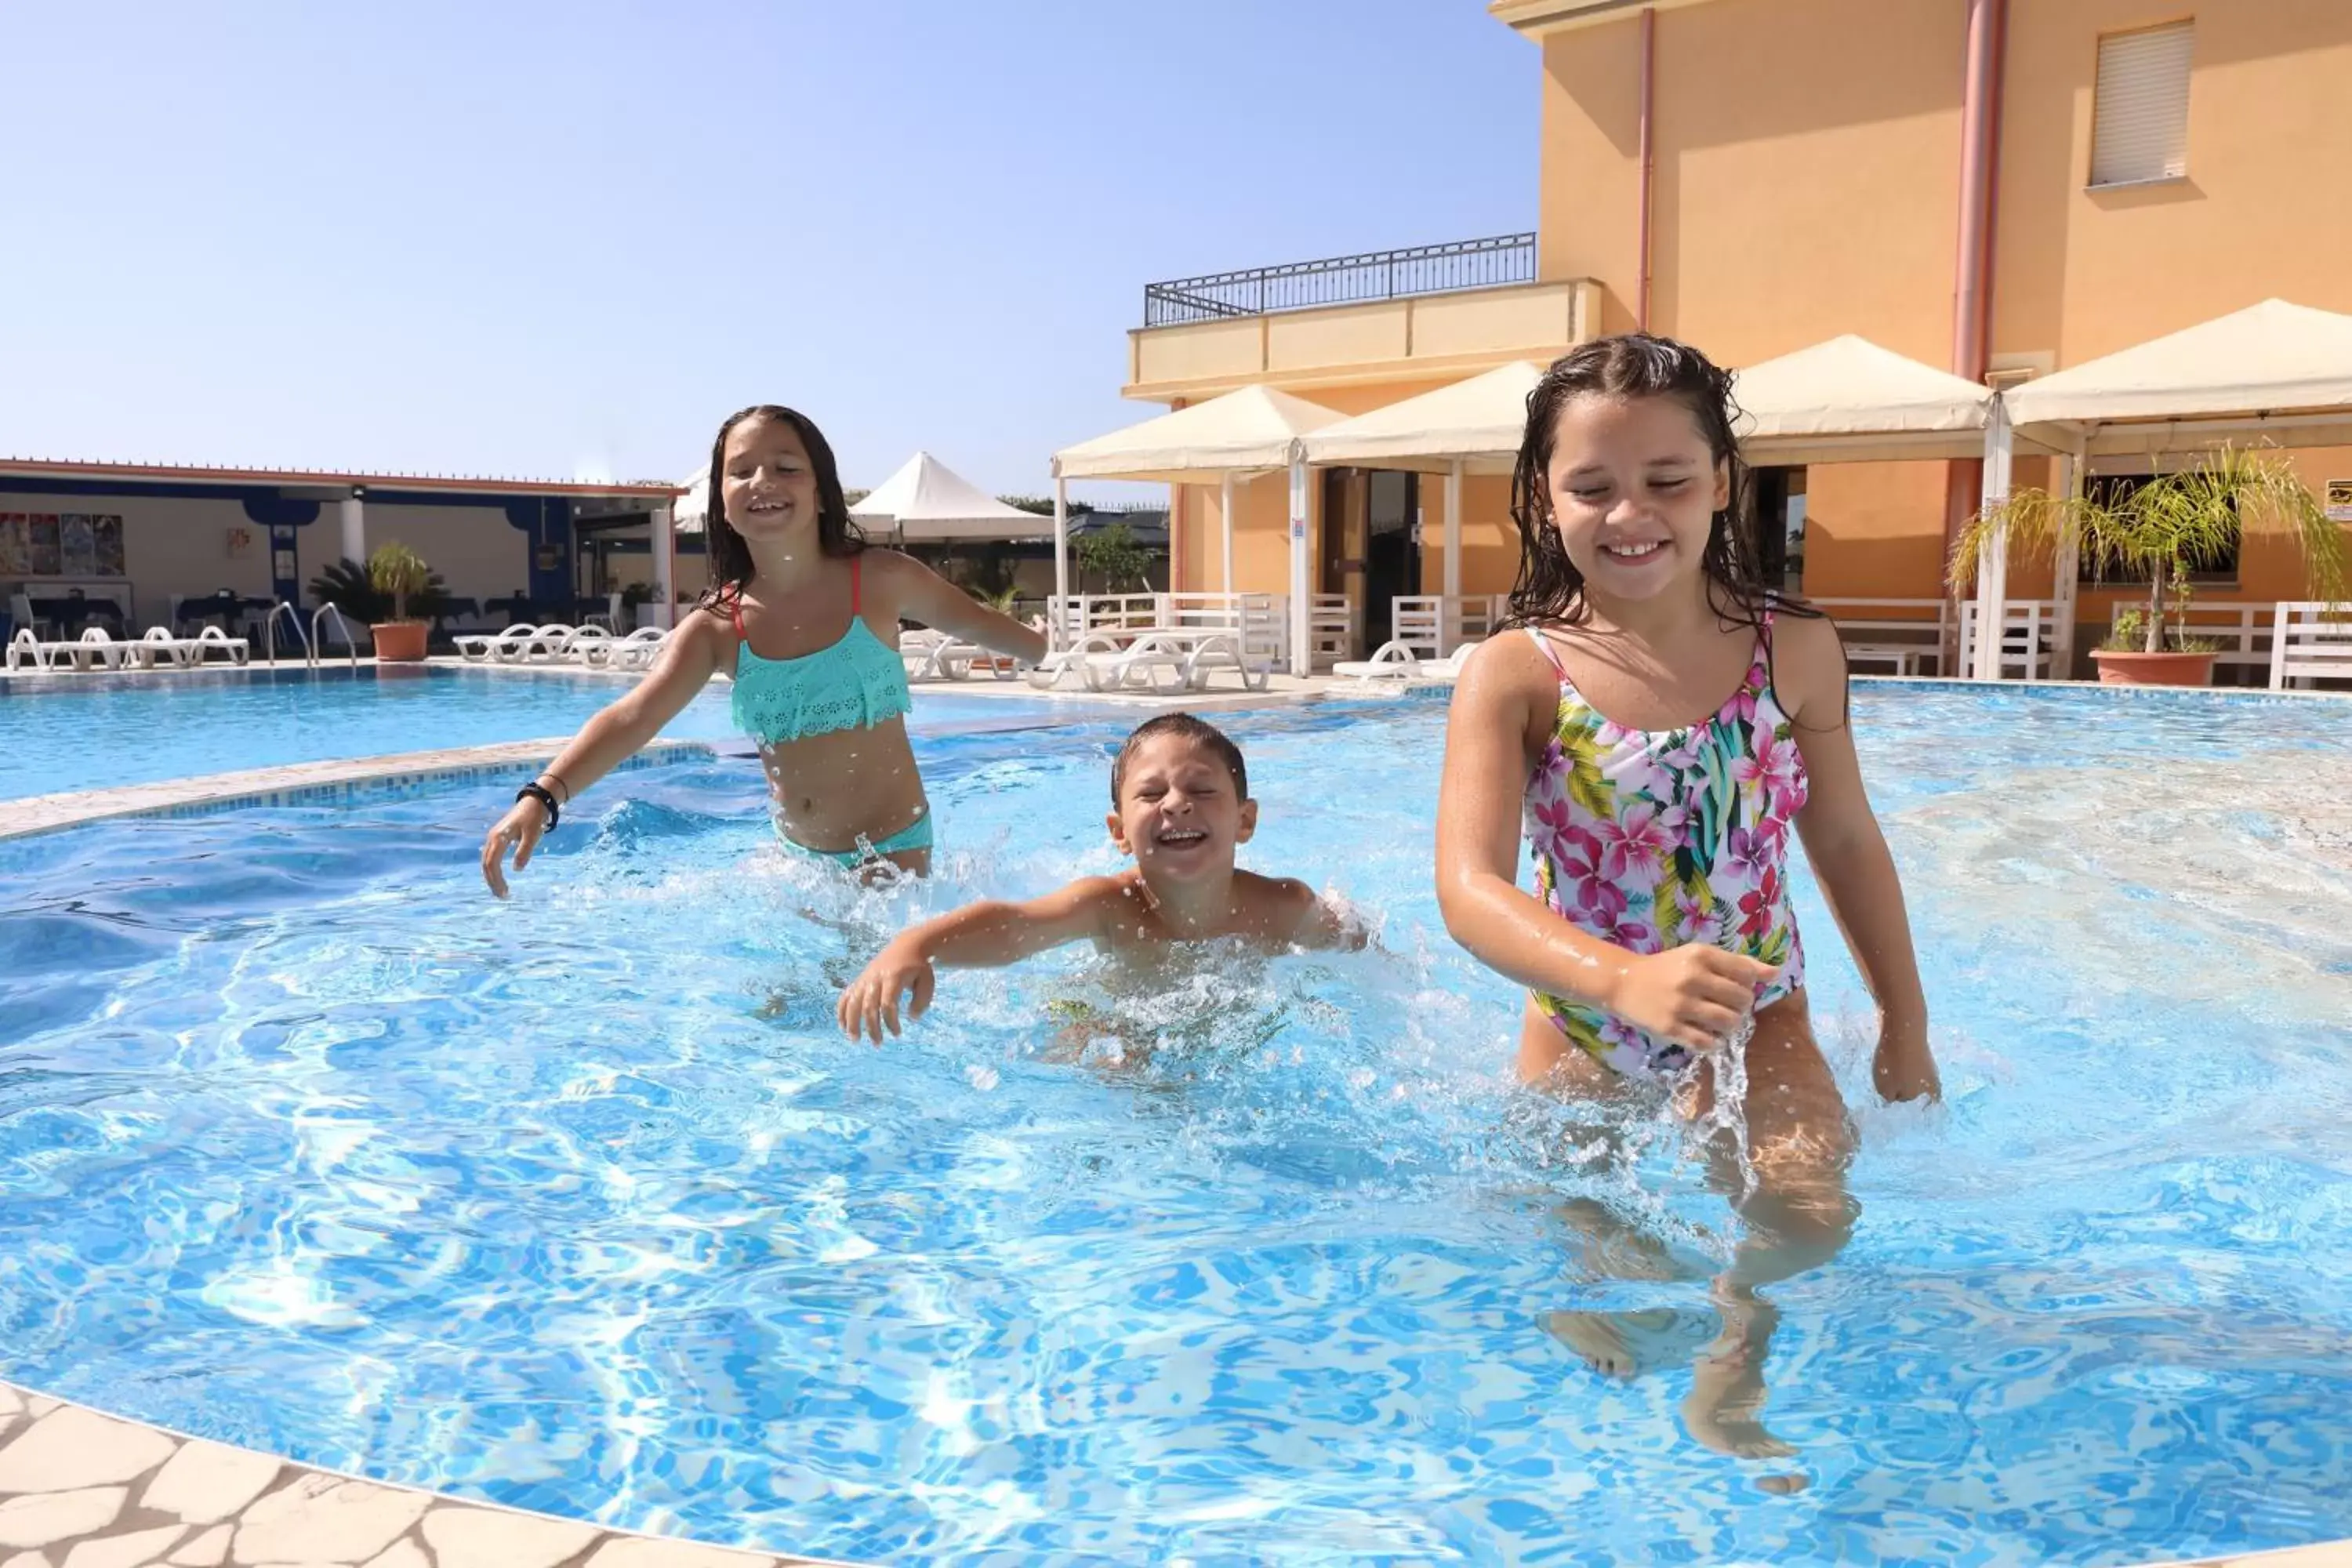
[986,934]
[1849,854]
[1694,994]
[689,657]
[924,596]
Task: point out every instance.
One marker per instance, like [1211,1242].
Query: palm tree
[2166,528]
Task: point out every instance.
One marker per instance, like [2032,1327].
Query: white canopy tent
[1471,426]
[1253,430]
[2278,371]
[1849,400]
[927,502]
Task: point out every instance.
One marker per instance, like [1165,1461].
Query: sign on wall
[2340,500]
[60,544]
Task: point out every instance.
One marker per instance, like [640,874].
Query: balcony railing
[1446,269]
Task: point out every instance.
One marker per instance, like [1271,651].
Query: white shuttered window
[2140,121]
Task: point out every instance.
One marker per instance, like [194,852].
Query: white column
[1302,604]
[1225,517]
[2067,567]
[354,529]
[1061,559]
[1449,616]
[665,538]
[1992,558]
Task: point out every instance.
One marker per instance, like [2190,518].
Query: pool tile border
[80,1489]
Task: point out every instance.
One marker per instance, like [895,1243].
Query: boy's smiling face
[1179,814]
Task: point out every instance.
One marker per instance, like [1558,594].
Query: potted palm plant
[2165,529]
[400,572]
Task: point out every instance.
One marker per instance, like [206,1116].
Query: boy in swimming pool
[1180,805]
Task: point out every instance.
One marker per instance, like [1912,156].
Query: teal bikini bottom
[915,835]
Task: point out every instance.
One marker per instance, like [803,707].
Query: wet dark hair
[730,559]
[1199,731]
[1635,365]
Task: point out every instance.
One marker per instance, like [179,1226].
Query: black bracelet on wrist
[537,792]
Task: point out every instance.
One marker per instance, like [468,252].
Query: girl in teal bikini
[1661,815]
[805,616]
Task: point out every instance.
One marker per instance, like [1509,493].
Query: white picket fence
[1433,624]
[1906,634]
[2028,636]
[2310,641]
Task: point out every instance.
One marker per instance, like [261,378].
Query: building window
[2139,129]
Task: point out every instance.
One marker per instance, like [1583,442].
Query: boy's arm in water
[1310,920]
[1849,854]
[1694,994]
[689,657]
[982,935]
[924,596]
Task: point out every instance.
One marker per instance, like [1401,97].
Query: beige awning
[2279,362]
[1478,421]
[1849,400]
[928,502]
[1245,430]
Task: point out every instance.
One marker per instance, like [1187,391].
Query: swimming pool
[577,1203]
[78,733]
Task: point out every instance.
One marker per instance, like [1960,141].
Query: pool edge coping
[309,1492]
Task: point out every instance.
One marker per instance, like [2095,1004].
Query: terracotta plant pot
[2118,667]
[400,642]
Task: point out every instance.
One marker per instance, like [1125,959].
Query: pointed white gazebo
[1253,430]
[927,502]
[1472,425]
[1850,400]
[2275,370]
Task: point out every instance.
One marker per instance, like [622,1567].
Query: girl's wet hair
[1200,732]
[1636,364]
[731,558]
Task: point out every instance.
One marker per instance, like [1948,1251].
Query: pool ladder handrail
[351,643]
[269,631]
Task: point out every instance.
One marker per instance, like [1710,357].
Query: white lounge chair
[159,646]
[586,646]
[1394,662]
[94,646]
[237,648]
[477,648]
[1211,654]
[548,644]
[636,651]
[25,648]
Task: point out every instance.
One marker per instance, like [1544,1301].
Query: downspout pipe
[1649,160]
[1980,172]
[1973,258]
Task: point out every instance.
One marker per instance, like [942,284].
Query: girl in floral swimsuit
[1657,728]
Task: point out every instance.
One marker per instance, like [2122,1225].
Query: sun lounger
[237,649]
[27,648]
[1395,663]
[477,648]
[636,651]
[586,646]
[548,644]
[158,646]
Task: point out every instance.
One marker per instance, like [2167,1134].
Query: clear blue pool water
[77,732]
[577,1202]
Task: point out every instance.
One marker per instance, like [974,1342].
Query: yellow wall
[2264,210]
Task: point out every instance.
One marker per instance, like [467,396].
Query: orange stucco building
[2136,166]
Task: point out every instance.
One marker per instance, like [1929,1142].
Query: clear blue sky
[523,238]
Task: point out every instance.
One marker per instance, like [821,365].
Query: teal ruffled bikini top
[856,684]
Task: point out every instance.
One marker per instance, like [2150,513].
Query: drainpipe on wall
[1649,82]
[1973,261]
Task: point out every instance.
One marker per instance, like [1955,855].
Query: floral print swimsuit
[1652,839]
